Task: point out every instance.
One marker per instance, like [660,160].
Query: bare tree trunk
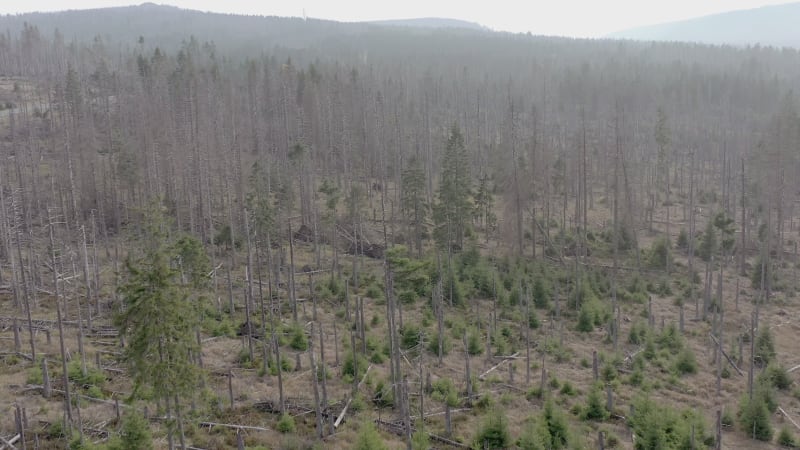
[264,342]
[517,194]
[467,368]
[315,384]
[80,328]
[292,292]
[615,237]
[26,287]
[87,283]
[64,372]
[179,419]
[248,300]
[324,375]
[743,245]
[355,362]
[629,197]
[753,324]
[691,240]
[279,366]
[170,431]
[527,337]
[407,413]
[439,319]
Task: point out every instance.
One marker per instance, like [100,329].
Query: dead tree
[64,371]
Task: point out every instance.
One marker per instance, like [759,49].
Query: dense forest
[262,232]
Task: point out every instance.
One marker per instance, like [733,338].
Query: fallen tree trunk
[347,405]
[9,442]
[785,414]
[442,412]
[400,430]
[726,355]
[230,425]
[491,369]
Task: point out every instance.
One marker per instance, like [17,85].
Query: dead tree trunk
[248,298]
[315,383]
[292,292]
[64,372]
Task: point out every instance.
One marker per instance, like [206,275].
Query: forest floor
[20,378]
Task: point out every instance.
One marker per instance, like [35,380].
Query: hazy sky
[579,18]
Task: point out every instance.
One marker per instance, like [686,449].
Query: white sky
[578,18]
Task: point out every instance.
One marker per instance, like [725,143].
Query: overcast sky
[578,18]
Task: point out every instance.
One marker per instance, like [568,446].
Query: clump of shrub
[660,426]
[659,252]
[568,389]
[368,438]
[350,365]
[595,408]
[494,433]
[297,338]
[410,336]
[540,294]
[670,339]
[585,322]
[433,344]
[754,416]
[786,439]
[135,433]
[764,347]
[637,333]
[286,424]
[777,376]
[374,292]
[383,397]
[754,413]
[474,344]
[549,430]
[727,418]
[765,270]
[686,363]
[592,314]
[285,365]
[92,377]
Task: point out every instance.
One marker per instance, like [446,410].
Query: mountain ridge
[171,26]
[773,25]
[430,22]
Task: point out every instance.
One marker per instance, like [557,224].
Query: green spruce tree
[452,213]
[158,319]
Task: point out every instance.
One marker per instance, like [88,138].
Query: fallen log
[632,355]
[230,425]
[785,414]
[347,405]
[452,411]
[491,369]
[399,429]
[9,442]
[726,355]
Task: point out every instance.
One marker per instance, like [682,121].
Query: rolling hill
[432,22]
[767,26]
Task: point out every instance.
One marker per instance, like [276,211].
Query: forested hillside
[773,25]
[225,231]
